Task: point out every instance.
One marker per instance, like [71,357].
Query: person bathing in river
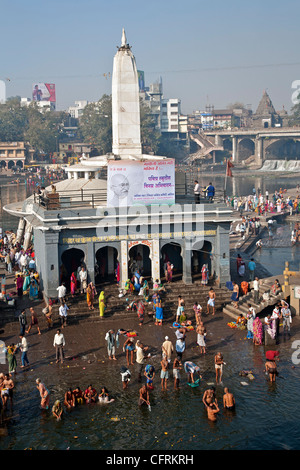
[228,400]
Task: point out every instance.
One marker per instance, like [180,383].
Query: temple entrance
[172,252]
[139,258]
[106,264]
[199,258]
[71,260]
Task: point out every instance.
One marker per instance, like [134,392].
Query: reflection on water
[266,415]
[177,420]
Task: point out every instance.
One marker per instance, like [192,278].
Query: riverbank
[122,425]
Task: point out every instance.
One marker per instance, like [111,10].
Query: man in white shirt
[24,349]
[286,316]
[59,344]
[62,293]
[197,190]
[83,280]
[256,290]
[63,313]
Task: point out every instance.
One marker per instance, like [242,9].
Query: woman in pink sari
[257,331]
[169,272]
[204,272]
[118,273]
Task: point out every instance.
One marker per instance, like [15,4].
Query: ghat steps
[117,307]
[244,300]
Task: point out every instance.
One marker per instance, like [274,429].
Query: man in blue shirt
[251,267]
[210,191]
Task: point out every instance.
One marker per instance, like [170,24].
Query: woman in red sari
[73,284]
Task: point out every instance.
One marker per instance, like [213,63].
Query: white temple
[126,128]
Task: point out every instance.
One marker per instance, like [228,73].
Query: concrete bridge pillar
[235,158]
[259,151]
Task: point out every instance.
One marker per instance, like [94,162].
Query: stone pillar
[234,149]
[86,175]
[155,260]
[214,156]
[90,261]
[187,263]
[46,245]
[222,261]
[69,175]
[259,151]
[123,263]
[75,175]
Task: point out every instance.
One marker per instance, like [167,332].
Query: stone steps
[118,306]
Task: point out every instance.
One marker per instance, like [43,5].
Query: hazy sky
[207,52]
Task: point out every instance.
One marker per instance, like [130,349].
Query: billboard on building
[141,79]
[43,92]
[140,182]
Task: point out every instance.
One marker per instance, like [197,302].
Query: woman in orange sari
[90,294]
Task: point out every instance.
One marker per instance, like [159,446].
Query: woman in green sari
[102,303]
[11,358]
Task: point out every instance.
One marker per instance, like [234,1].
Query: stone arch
[2,164]
[246,148]
[282,149]
[71,259]
[10,164]
[140,256]
[227,144]
[19,163]
[173,252]
[202,254]
[106,260]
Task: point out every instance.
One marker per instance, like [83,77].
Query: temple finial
[124,40]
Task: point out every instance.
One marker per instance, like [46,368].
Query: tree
[295,116]
[13,121]
[43,129]
[150,136]
[95,126]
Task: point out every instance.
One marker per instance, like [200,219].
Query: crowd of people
[264,204]
[21,262]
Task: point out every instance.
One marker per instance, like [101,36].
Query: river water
[266,415]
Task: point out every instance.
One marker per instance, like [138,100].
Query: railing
[93,198]
[71,198]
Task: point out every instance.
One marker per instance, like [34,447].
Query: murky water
[266,415]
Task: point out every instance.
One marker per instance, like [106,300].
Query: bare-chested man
[271,368]
[209,396]
[164,375]
[228,400]
[180,307]
[219,367]
[211,301]
[212,410]
[7,390]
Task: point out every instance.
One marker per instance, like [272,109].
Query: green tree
[44,129]
[95,125]
[150,136]
[13,121]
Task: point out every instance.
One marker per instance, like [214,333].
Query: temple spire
[124,40]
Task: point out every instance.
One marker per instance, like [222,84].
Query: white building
[77,110]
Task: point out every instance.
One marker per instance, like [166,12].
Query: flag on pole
[228,168]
